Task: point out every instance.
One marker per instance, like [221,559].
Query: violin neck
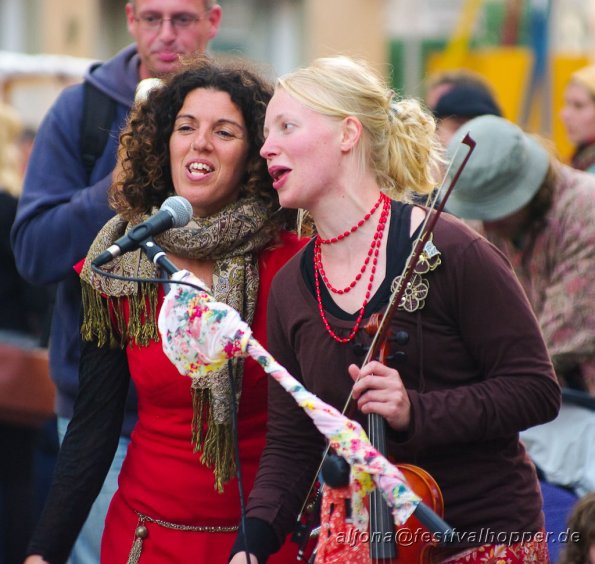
[382,540]
[377,432]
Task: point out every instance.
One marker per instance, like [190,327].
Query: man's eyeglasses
[152,22]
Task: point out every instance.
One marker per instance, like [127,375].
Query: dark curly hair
[145,181]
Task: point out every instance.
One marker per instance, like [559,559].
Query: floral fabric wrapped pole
[199,335]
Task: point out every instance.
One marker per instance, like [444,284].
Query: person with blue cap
[460,104]
[455,97]
[539,213]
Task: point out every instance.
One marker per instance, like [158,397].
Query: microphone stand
[157,255]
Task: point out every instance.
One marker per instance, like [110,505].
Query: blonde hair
[399,142]
[586,78]
[10,161]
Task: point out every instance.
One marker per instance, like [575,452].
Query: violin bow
[397,295]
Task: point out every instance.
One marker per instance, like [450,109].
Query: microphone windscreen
[180,209]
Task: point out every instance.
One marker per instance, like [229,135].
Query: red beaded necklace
[354,228]
[372,254]
[318,251]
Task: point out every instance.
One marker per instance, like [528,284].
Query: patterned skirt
[339,542]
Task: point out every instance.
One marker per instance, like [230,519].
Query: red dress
[163,479]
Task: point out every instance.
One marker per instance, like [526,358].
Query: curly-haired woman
[198,135]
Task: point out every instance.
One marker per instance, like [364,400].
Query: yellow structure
[508,72]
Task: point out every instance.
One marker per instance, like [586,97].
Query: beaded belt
[141,532]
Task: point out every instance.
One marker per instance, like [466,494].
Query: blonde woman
[470,367]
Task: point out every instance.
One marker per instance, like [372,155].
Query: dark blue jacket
[60,213]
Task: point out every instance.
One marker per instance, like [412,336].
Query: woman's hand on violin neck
[379,389]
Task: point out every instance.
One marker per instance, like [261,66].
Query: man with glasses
[164,30]
[64,201]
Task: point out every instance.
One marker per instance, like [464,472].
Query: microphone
[174,212]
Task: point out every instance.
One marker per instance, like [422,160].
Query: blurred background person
[23,307]
[23,320]
[25,144]
[539,213]
[455,97]
[14,305]
[438,84]
[458,105]
[578,116]
[580,548]
[64,202]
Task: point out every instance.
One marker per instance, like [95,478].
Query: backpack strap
[99,113]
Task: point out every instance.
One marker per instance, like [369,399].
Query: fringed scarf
[232,239]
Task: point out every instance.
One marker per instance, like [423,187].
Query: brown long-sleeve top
[475,367]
